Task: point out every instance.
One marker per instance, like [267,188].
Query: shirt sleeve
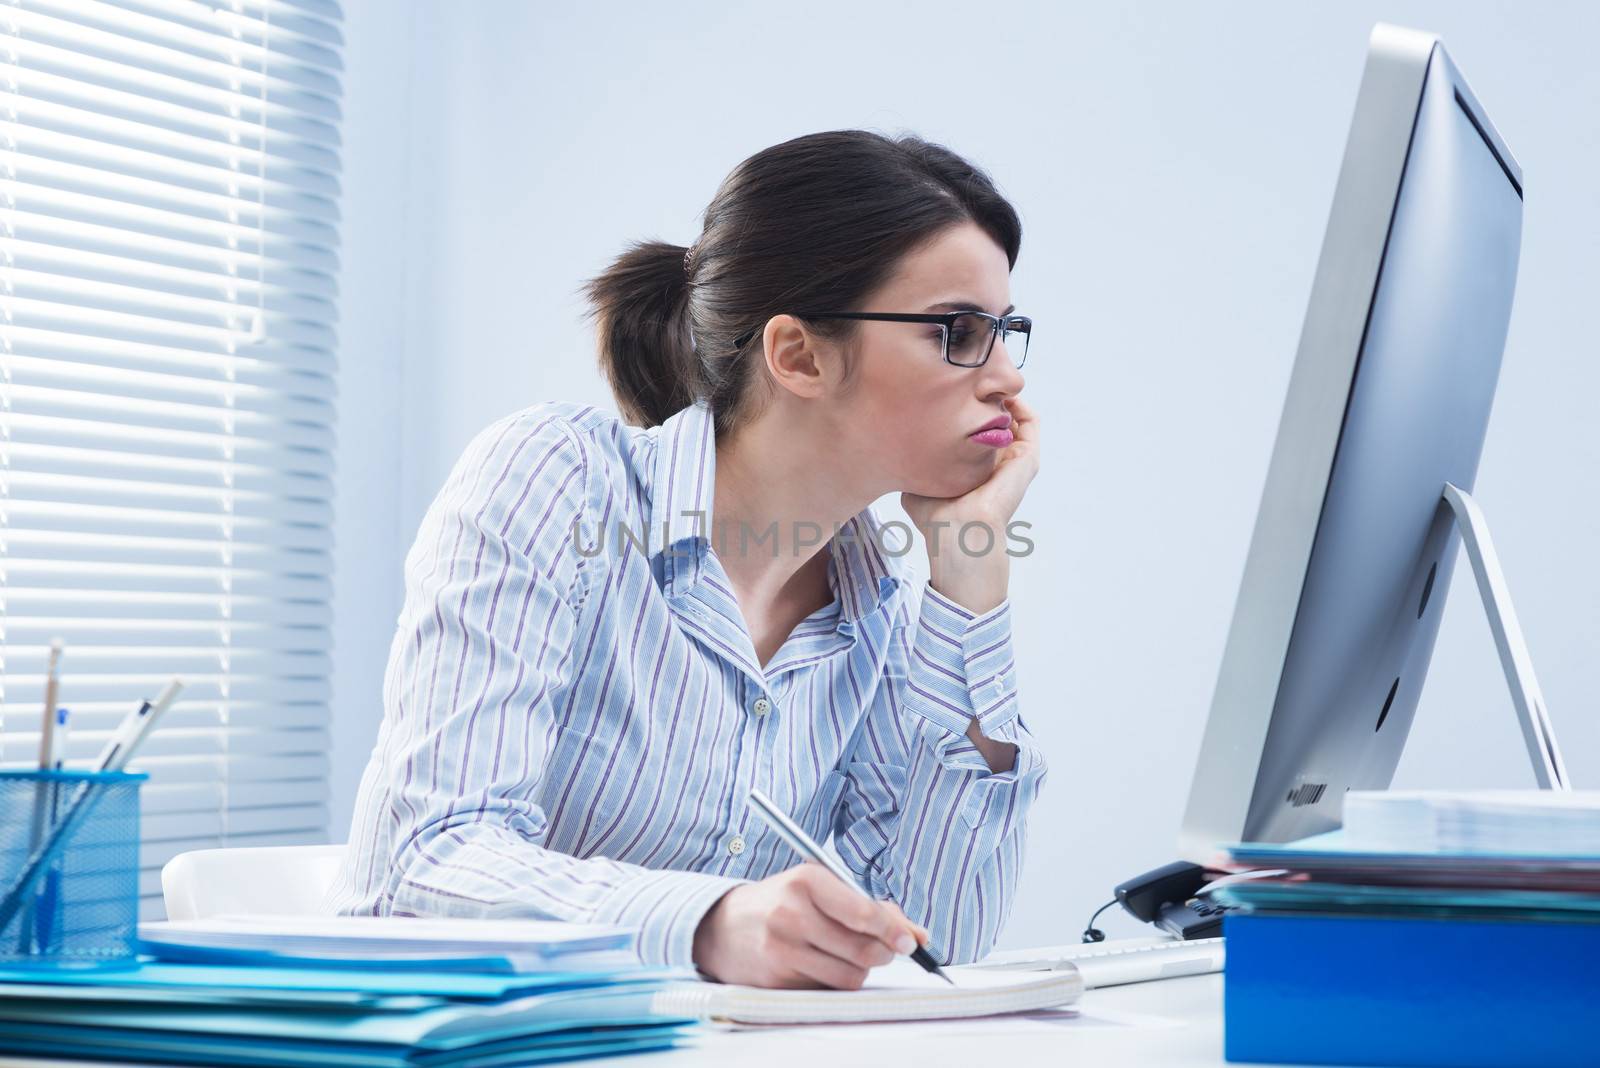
[922,820]
[494,585]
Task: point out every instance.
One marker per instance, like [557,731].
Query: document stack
[365,991]
[1433,929]
[1487,821]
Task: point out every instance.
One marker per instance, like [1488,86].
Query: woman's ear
[797,360]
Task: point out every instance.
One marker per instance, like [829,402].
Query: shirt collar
[683,484]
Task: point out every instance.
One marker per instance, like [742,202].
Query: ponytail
[640,306]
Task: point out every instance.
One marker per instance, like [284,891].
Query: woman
[612,632]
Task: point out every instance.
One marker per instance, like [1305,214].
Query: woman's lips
[999,437]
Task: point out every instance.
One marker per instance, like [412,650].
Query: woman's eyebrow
[964,305]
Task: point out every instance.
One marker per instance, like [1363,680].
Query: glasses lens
[969,340]
[1017,333]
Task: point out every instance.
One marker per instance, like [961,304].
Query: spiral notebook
[897,991]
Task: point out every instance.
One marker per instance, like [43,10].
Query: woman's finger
[1010,479]
[922,932]
[846,907]
[826,935]
[1025,421]
[804,965]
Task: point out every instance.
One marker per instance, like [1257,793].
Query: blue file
[134,1046]
[370,982]
[1437,992]
[374,1018]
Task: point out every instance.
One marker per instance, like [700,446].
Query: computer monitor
[1356,536]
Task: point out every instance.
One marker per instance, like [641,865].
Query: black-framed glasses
[966,337]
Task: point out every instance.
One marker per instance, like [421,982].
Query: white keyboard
[1116,961]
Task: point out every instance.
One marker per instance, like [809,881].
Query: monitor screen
[1322,704]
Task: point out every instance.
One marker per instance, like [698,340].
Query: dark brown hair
[815,223]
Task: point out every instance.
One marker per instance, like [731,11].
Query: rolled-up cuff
[962,666]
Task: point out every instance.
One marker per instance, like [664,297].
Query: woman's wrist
[1000,756]
[972,571]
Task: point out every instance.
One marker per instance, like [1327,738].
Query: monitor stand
[1165,896]
[1548,768]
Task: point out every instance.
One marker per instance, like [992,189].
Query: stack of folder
[214,994]
[1448,930]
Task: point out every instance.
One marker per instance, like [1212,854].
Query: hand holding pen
[800,928]
[804,927]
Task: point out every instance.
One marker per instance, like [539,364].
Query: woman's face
[908,410]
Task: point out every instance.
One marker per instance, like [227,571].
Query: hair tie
[687,254]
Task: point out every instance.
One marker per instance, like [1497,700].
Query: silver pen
[801,843]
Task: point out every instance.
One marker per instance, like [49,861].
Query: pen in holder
[71,895]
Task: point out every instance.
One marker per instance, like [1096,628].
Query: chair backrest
[274,880]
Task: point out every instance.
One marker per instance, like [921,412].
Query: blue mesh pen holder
[69,867]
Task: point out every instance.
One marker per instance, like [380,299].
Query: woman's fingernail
[906,944]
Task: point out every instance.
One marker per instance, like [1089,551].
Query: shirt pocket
[982,802]
[825,804]
[573,751]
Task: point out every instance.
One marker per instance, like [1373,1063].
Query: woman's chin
[946,487]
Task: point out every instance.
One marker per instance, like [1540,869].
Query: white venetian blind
[169,180]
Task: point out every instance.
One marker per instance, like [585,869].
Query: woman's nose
[1003,375]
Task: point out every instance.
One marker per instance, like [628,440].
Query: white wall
[1173,165]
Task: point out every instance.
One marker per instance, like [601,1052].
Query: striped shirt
[574,713]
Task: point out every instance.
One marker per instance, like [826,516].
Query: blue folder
[359,986]
[208,1014]
[134,1046]
[438,1027]
[1408,991]
[1331,850]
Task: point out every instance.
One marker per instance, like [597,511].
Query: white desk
[1151,1025]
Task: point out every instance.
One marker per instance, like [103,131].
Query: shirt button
[761,707]
[736,845]
[999,684]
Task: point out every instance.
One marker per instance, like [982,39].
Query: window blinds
[169,215]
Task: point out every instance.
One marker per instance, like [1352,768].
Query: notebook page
[899,990]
